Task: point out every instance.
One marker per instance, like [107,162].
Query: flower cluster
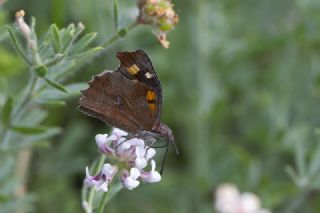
[129,158]
[230,200]
[160,15]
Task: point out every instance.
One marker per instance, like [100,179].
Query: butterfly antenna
[175,147]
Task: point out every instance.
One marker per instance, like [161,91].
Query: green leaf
[17,45]
[56,85]
[83,42]
[52,103]
[6,111]
[56,59]
[31,140]
[314,166]
[54,95]
[56,39]
[29,130]
[68,37]
[116,14]
[86,54]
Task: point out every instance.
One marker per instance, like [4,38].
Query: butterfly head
[167,134]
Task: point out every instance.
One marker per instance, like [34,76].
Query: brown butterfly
[129,98]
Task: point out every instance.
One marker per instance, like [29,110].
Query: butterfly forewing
[137,66]
[111,95]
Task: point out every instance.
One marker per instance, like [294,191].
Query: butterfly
[129,98]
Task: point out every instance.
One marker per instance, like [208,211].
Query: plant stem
[103,202]
[18,111]
[96,170]
[116,36]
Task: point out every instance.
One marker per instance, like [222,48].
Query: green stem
[103,202]
[27,97]
[116,36]
[21,107]
[96,170]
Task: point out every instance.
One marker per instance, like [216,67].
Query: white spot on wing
[148,75]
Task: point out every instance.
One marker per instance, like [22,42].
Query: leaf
[83,42]
[6,111]
[29,130]
[54,95]
[86,54]
[116,14]
[53,103]
[34,116]
[17,45]
[56,39]
[68,37]
[35,139]
[56,85]
[56,59]
[314,166]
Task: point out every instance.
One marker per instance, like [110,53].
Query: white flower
[230,200]
[131,182]
[102,180]
[118,132]
[249,202]
[132,156]
[101,139]
[152,176]
[140,161]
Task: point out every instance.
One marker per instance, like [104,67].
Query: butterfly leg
[153,135]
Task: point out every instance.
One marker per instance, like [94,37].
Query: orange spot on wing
[152,106]
[151,95]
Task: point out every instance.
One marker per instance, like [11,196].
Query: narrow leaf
[6,111]
[56,59]
[68,38]
[116,14]
[54,95]
[86,54]
[52,103]
[32,140]
[314,166]
[29,130]
[17,45]
[83,42]
[56,85]
[56,40]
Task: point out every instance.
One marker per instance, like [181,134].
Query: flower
[130,181]
[101,180]
[160,15]
[25,29]
[129,158]
[152,176]
[230,200]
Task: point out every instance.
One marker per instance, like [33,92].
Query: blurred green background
[241,84]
